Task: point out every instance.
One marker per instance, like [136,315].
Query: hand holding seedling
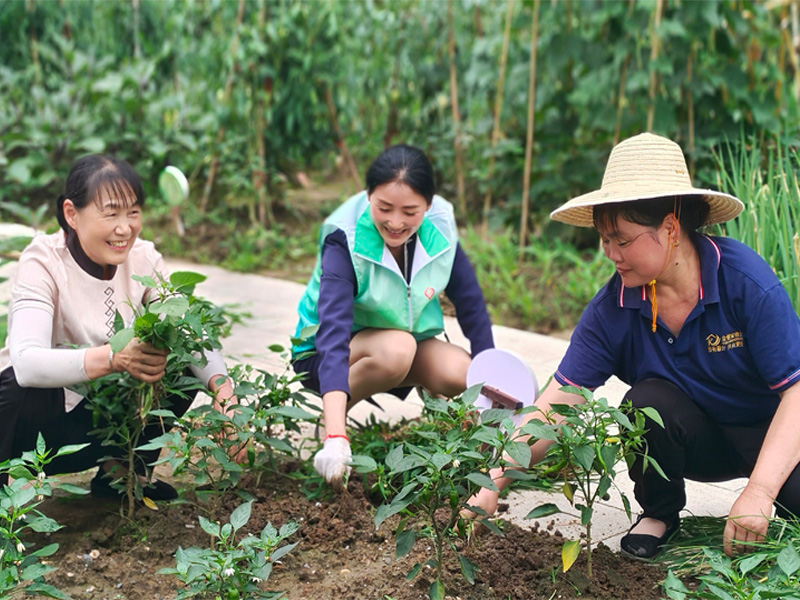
[141,360]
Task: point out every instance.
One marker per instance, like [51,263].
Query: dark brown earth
[341,555]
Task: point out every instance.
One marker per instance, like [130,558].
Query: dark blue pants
[694,446]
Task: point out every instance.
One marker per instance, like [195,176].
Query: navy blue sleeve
[465,293]
[337,290]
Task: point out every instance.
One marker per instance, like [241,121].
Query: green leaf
[364,464]
[394,458]
[520,452]
[585,456]
[43,524]
[483,480]
[121,339]
[292,412]
[788,560]
[186,279]
[439,460]
[652,413]
[414,571]
[544,510]
[241,515]
[748,563]
[72,489]
[145,280]
[19,172]
[569,554]
[387,510]
[404,542]
[674,587]
[467,569]
[35,571]
[518,475]
[46,551]
[70,449]
[209,527]
[437,590]
[95,145]
[174,307]
[43,589]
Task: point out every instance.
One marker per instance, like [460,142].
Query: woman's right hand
[143,361]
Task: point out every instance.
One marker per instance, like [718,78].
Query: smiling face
[637,251]
[397,212]
[106,228]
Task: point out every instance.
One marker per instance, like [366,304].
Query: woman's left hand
[225,402]
[747,521]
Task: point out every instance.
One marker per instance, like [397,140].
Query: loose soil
[341,556]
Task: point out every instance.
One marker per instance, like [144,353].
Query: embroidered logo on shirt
[110,312]
[728,341]
[429,292]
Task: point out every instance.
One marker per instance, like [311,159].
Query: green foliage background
[297,84]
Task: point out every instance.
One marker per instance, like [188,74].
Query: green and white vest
[384,300]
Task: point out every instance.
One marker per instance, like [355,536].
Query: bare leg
[380,360]
[440,367]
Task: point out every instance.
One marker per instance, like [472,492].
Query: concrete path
[272,303]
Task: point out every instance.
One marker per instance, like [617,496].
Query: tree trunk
[340,141]
[498,106]
[212,172]
[451,45]
[654,52]
[526,180]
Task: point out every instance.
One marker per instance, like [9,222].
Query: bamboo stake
[451,44]
[621,101]
[340,141]
[265,215]
[498,105]
[795,46]
[654,51]
[526,180]
[690,103]
[212,172]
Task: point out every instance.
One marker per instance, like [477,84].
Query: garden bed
[340,555]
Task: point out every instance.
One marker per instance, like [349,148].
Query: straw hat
[643,167]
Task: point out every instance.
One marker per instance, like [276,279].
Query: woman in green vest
[370,313]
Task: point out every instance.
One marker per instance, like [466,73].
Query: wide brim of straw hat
[643,167]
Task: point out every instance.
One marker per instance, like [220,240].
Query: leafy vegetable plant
[589,440]
[173,319]
[232,569]
[431,476]
[21,569]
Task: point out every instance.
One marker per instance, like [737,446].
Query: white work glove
[332,462]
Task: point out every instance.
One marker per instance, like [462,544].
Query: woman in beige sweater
[67,290]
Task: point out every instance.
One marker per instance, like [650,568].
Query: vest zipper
[408,285]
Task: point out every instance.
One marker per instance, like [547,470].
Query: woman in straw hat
[702,330]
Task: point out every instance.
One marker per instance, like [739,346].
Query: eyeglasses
[624,245]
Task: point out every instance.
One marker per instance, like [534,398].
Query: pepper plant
[205,442]
[22,570]
[444,462]
[589,440]
[232,569]
[173,319]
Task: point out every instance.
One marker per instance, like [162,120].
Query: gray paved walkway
[272,304]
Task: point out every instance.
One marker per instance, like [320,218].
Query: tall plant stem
[621,100]
[340,141]
[451,46]
[589,550]
[265,215]
[794,47]
[690,105]
[526,176]
[654,52]
[498,106]
[212,172]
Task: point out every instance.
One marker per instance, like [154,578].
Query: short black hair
[96,174]
[403,164]
[692,212]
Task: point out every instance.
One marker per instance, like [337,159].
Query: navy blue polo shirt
[738,349]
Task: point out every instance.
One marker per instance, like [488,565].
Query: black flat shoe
[157,490]
[642,545]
